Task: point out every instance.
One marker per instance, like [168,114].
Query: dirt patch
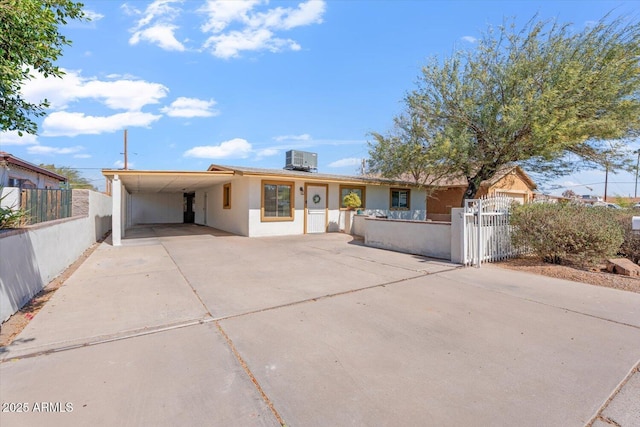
[16,323]
[597,276]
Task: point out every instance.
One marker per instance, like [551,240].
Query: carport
[158,197]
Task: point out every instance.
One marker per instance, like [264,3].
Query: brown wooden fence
[45,205]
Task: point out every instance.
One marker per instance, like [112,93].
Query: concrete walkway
[185,325]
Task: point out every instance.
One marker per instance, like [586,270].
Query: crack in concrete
[598,415]
[195,292]
[193,322]
[252,377]
[110,338]
[539,302]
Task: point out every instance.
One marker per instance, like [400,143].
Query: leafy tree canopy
[30,41]
[74,178]
[548,97]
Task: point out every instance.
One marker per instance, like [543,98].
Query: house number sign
[316,198]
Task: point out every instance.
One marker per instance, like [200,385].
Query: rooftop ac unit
[301,161]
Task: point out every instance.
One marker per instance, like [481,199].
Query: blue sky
[242,82]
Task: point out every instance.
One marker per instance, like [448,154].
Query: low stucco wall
[432,239]
[33,256]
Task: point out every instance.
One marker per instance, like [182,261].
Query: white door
[316,209]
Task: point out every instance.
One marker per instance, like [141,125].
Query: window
[226,196]
[400,199]
[346,189]
[277,201]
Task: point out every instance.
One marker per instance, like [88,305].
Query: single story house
[252,201]
[18,173]
[446,193]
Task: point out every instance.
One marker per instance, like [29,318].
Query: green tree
[547,97]
[74,178]
[30,42]
[405,152]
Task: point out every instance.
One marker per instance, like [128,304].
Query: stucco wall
[377,199]
[33,256]
[234,220]
[156,208]
[441,201]
[17,172]
[199,207]
[257,228]
[457,235]
[415,237]
[10,197]
[358,225]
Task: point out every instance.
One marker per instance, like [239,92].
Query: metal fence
[487,232]
[45,205]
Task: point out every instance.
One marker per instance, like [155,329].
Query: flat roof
[157,181]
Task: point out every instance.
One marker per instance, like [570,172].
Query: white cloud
[155,24]
[234,148]
[230,27]
[306,13]
[162,35]
[82,156]
[128,94]
[92,15]
[302,137]
[190,107]
[221,13]
[350,161]
[43,149]
[230,45]
[469,39]
[120,164]
[249,25]
[118,93]
[12,138]
[62,123]
[266,152]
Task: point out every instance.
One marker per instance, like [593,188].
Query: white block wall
[156,208]
[33,256]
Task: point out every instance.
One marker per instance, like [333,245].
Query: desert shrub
[630,247]
[568,233]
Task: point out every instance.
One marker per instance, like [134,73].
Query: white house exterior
[18,173]
[254,202]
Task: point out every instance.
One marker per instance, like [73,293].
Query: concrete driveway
[185,325]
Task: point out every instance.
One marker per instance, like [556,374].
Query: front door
[316,205]
[189,214]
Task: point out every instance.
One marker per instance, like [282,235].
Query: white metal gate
[487,233]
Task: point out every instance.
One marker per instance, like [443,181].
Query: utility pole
[635,193]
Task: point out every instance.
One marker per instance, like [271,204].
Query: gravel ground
[597,276]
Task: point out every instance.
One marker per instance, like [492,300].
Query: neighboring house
[548,198]
[254,202]
[15,172]
[509,181]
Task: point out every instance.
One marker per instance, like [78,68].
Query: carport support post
[116,211]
